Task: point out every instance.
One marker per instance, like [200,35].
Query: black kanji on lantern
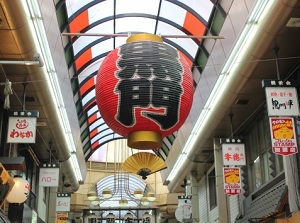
[150,75]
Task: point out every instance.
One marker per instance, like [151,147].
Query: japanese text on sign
[144,83]
[233,154]
[283,136]
[232,180]
[21,130]
[282,101]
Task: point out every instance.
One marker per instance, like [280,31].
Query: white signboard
[282,101]
[233,154]
[21,130]
[63,202]
[49,176]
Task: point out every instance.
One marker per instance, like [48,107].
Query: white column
[222,202]
[292,181]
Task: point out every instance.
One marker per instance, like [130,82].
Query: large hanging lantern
[144,90]
[20,191]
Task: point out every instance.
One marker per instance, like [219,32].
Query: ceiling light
[138,193]
[151,196]
[123,202]
[106,193]
[96,201]
[91,195]
[144,201]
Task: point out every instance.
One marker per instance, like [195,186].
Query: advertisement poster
[283,136]
[232,180]
[62,217]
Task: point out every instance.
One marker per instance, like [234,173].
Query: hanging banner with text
[232,180]
[283,135]
[63,202]
[22,127]
[49,175]
[281,98]
[233,152]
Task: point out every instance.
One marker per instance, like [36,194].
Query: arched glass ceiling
[123,186]
[86,53]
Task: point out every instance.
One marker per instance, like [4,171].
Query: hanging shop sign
[6,184]
[232,180]
[62,217]
[185,202]
[144,90]
[233,152]
[22,127]
[283,136]
[63,202]
[281,98]
[49,175]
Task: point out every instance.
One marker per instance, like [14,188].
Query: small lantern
[91,195]
[151,197]
[144,201]
[123,202]
[106,193]
[138,193]
[110,218]
[20,191]
[128,218]
[146,218]
[96,201]
[144,90]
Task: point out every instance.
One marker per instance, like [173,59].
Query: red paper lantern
[144,90]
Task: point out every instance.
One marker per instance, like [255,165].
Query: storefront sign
[232,180]
[282,98]
[49,175]
[63,202]
[283,136]
[233,152]
[22,127]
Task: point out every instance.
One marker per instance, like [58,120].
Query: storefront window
[259,151]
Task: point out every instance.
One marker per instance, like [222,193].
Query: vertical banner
[283,135]
[232,180]
[185,202]
[63,202]
[22,127]
[233,152]
[49,175]
[281,98]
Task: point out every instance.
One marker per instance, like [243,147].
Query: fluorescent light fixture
[36,25]
[238,53]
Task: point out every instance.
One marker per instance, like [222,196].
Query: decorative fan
[143,164]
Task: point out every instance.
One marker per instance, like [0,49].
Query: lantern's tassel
[7,91]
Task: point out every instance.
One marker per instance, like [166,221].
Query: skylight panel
[137,6]
[135,24]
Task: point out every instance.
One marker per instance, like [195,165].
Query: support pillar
[292,181]
[51,204]
[222,200]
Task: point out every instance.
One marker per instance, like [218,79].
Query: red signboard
[232,180]
[283,136]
